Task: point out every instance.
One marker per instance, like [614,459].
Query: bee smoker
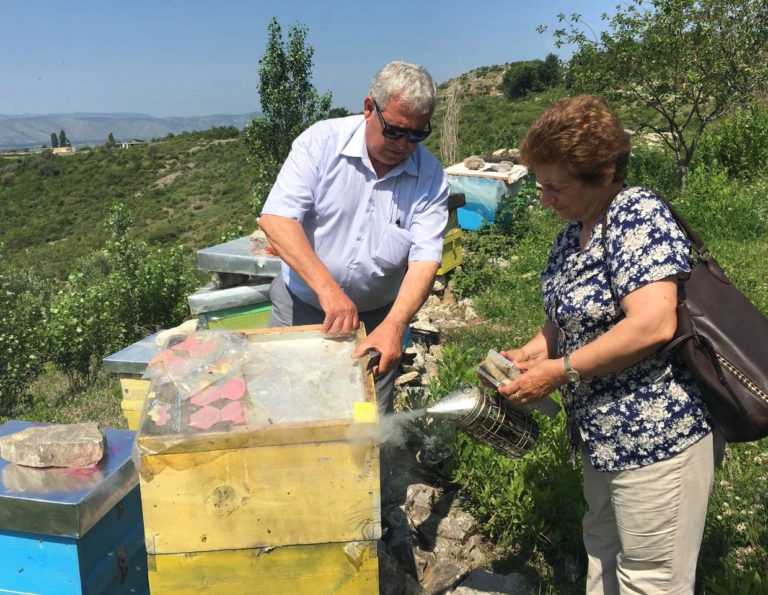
[492,419]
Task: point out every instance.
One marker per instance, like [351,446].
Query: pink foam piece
[233,389]
[233,412]
[159,413]
[206,396]
[189,343]
[163,357]
[201,349]
[205,417]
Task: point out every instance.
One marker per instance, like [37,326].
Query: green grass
[51,398]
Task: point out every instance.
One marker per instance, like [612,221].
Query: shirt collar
[355,147]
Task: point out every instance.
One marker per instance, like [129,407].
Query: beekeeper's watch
[571,375]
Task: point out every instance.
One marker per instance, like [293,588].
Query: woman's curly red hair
[582,134]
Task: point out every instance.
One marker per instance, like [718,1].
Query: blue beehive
[66,531]
[483,191]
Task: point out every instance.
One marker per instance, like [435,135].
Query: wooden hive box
[129,365]
[65,531]
[285,490]
[453,252]
[232,308]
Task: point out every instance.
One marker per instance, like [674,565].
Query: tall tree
[289,103]
[689,61]
[549,71]
[63,139]
[520,78]
[54,140]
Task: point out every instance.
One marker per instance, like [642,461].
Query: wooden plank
[132,415]
[329,568]
[134,389]
[299,433]
[266,496]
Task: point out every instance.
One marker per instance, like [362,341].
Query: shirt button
[359,238]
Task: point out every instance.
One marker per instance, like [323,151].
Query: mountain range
[31,131]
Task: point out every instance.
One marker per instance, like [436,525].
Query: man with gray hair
[357,215]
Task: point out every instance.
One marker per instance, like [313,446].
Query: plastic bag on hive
[198,360]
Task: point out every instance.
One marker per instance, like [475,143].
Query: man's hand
[387,338]
[340,312]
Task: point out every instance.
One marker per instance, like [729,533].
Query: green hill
[187,189]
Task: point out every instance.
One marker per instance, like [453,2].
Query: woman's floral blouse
[651,410]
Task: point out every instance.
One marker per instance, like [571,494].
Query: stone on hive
[474,162]
[57,445]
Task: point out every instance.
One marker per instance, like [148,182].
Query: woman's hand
[522,354]
[538,378]
[533,350]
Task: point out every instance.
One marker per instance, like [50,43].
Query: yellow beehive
[288,499]
[129,365]
[453,251]
[337,568]
[135,390]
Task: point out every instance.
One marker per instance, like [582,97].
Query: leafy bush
[720,207]
[48,169]
[654,168]
[23,299]
[739,144]
[115,296]
[521,78]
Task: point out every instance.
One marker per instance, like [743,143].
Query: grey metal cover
[65,502]
[235,256]
[134,358]
[210,299]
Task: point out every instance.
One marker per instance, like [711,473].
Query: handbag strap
[694,238]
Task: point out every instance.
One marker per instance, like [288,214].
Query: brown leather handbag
[722,338]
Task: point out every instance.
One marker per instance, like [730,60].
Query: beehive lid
[237,256]
[134,358]
[65,502]
[211,299]
[223,389]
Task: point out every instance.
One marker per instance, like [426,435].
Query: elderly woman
[634,413]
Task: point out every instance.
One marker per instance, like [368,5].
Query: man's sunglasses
[396,132]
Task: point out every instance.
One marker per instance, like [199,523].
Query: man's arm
[388,336]
[290,242]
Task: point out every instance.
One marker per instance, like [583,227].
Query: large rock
[393,580]
[57,445]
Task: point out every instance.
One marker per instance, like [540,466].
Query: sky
[200,57]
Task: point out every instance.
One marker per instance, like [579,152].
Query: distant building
[131,143]
[63,150]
